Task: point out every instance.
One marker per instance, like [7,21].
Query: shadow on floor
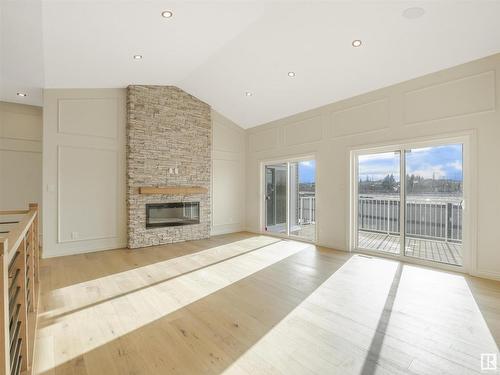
[43,322]
[370,364]
[106,263]
[207,336]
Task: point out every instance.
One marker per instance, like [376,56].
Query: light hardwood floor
[250,304]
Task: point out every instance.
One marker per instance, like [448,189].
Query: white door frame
[469,198]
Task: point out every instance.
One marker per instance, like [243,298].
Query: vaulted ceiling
[219,51]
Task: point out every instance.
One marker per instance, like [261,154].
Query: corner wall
[461,99]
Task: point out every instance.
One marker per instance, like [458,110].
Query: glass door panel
[434,199]
[303,199]
[379,197]
[276,180]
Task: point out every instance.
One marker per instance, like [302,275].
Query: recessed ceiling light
[22,94]
[137,57]
[414,12]
[167,14]
[291,74]
[248,93]
[356,43]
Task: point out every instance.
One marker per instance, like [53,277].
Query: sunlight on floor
[117,284]
[262,305]
[348,326]
[127,301]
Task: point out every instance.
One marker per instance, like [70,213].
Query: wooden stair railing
[19,287]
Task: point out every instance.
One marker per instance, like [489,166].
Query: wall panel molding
[93,117]
[263,140]
[304,131]
[20,145]
[459,97]
[226,137]
[228,176]
[367,117]
[80,146]
[20,156]
[371,132]
[94,154]
[228,199]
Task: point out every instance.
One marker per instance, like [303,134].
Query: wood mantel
[173,190]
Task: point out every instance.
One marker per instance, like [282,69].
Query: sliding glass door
[423,215]
[434,201]
[276,181]
[302,212]
[379,191]
[290,198]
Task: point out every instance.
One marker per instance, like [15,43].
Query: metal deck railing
[438,218]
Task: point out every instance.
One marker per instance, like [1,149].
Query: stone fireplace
[169,166]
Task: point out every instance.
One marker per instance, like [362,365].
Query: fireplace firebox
[172,214]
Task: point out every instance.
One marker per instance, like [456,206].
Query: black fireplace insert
[172,214]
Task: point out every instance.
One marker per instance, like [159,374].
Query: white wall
[83,170]
[20,155]
[457,100]
[228,176]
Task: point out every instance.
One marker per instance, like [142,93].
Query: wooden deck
[307,232]
[438,251]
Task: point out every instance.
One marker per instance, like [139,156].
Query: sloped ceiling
[219,50]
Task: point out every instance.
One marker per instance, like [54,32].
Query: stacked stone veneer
[166,128]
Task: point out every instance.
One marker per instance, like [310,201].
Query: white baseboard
[225,229]
[81,251]
[487,275]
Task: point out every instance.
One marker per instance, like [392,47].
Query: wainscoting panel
[263,140]
[305,131]
[228,176]
[463,96]
[227,193]
[359,119]
[87,178]
[97,117]
[83,170]
[21,124]
[20,155]
[226,137]
[21,178]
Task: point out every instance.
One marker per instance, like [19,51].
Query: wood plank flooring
[251,304]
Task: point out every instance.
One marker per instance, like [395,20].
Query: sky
[307,171]
[441,162]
